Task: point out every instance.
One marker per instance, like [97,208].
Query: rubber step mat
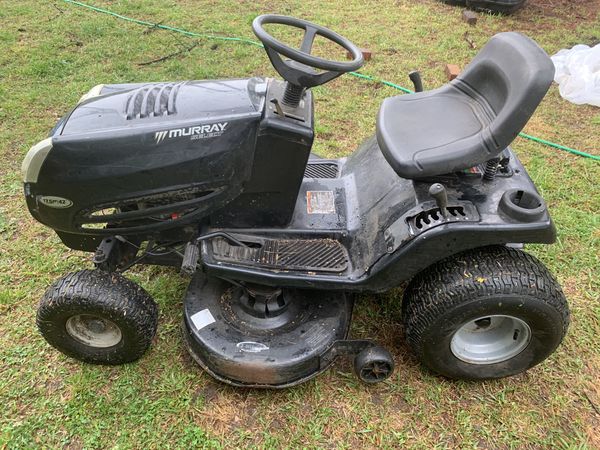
[321,170]
[313,255]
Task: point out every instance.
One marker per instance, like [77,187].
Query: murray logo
[55,202]
[197,132]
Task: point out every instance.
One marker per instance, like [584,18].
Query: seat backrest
[512,73]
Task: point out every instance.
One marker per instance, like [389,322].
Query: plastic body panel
[161,163]
[100,158]
[366,207]
[282,149]
[136,106]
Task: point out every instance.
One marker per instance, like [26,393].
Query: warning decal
[320,202]
[202,319]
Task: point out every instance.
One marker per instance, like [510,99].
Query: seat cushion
[473,118]
[432,133]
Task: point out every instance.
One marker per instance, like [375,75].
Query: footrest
[314,255]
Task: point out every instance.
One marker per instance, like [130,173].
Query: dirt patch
[209,393]
[572,12]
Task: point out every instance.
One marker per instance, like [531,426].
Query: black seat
[471,119]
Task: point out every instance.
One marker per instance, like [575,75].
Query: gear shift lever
[438,192]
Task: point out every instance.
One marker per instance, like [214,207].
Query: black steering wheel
[300,70]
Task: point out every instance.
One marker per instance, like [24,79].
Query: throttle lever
[438,192]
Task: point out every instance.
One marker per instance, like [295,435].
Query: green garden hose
[258,44]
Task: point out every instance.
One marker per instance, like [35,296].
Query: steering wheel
[300,71]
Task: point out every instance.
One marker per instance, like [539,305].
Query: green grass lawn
[52,52]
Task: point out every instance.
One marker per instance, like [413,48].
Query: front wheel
[486,313]
[98,317]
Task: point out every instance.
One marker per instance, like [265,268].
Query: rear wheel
[486,313]
[98,317]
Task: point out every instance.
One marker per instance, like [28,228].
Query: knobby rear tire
[490,281]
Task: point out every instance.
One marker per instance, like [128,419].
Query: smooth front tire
[98,317]
[486,313]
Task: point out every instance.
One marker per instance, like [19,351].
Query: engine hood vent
[152,100]
[134,108]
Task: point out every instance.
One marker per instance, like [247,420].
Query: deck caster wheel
[373,365]
[98,317]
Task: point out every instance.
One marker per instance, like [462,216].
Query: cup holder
[522,205]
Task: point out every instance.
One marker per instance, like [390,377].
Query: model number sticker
[55,202]
[320,202]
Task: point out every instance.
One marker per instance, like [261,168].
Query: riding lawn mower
[217,178]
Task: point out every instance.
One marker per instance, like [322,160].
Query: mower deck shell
[231,343]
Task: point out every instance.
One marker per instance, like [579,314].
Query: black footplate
[313,255]
[321,170]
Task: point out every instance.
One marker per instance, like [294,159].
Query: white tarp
[578,74]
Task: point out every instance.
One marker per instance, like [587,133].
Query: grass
[52,52]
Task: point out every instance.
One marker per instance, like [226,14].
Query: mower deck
[230,333]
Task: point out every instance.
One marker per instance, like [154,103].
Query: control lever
[438,192]
[415,77]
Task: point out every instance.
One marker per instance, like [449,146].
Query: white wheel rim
[94,331]
[490,339]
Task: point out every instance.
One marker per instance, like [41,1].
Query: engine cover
[134,159]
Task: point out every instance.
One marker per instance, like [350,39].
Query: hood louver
[152,100]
